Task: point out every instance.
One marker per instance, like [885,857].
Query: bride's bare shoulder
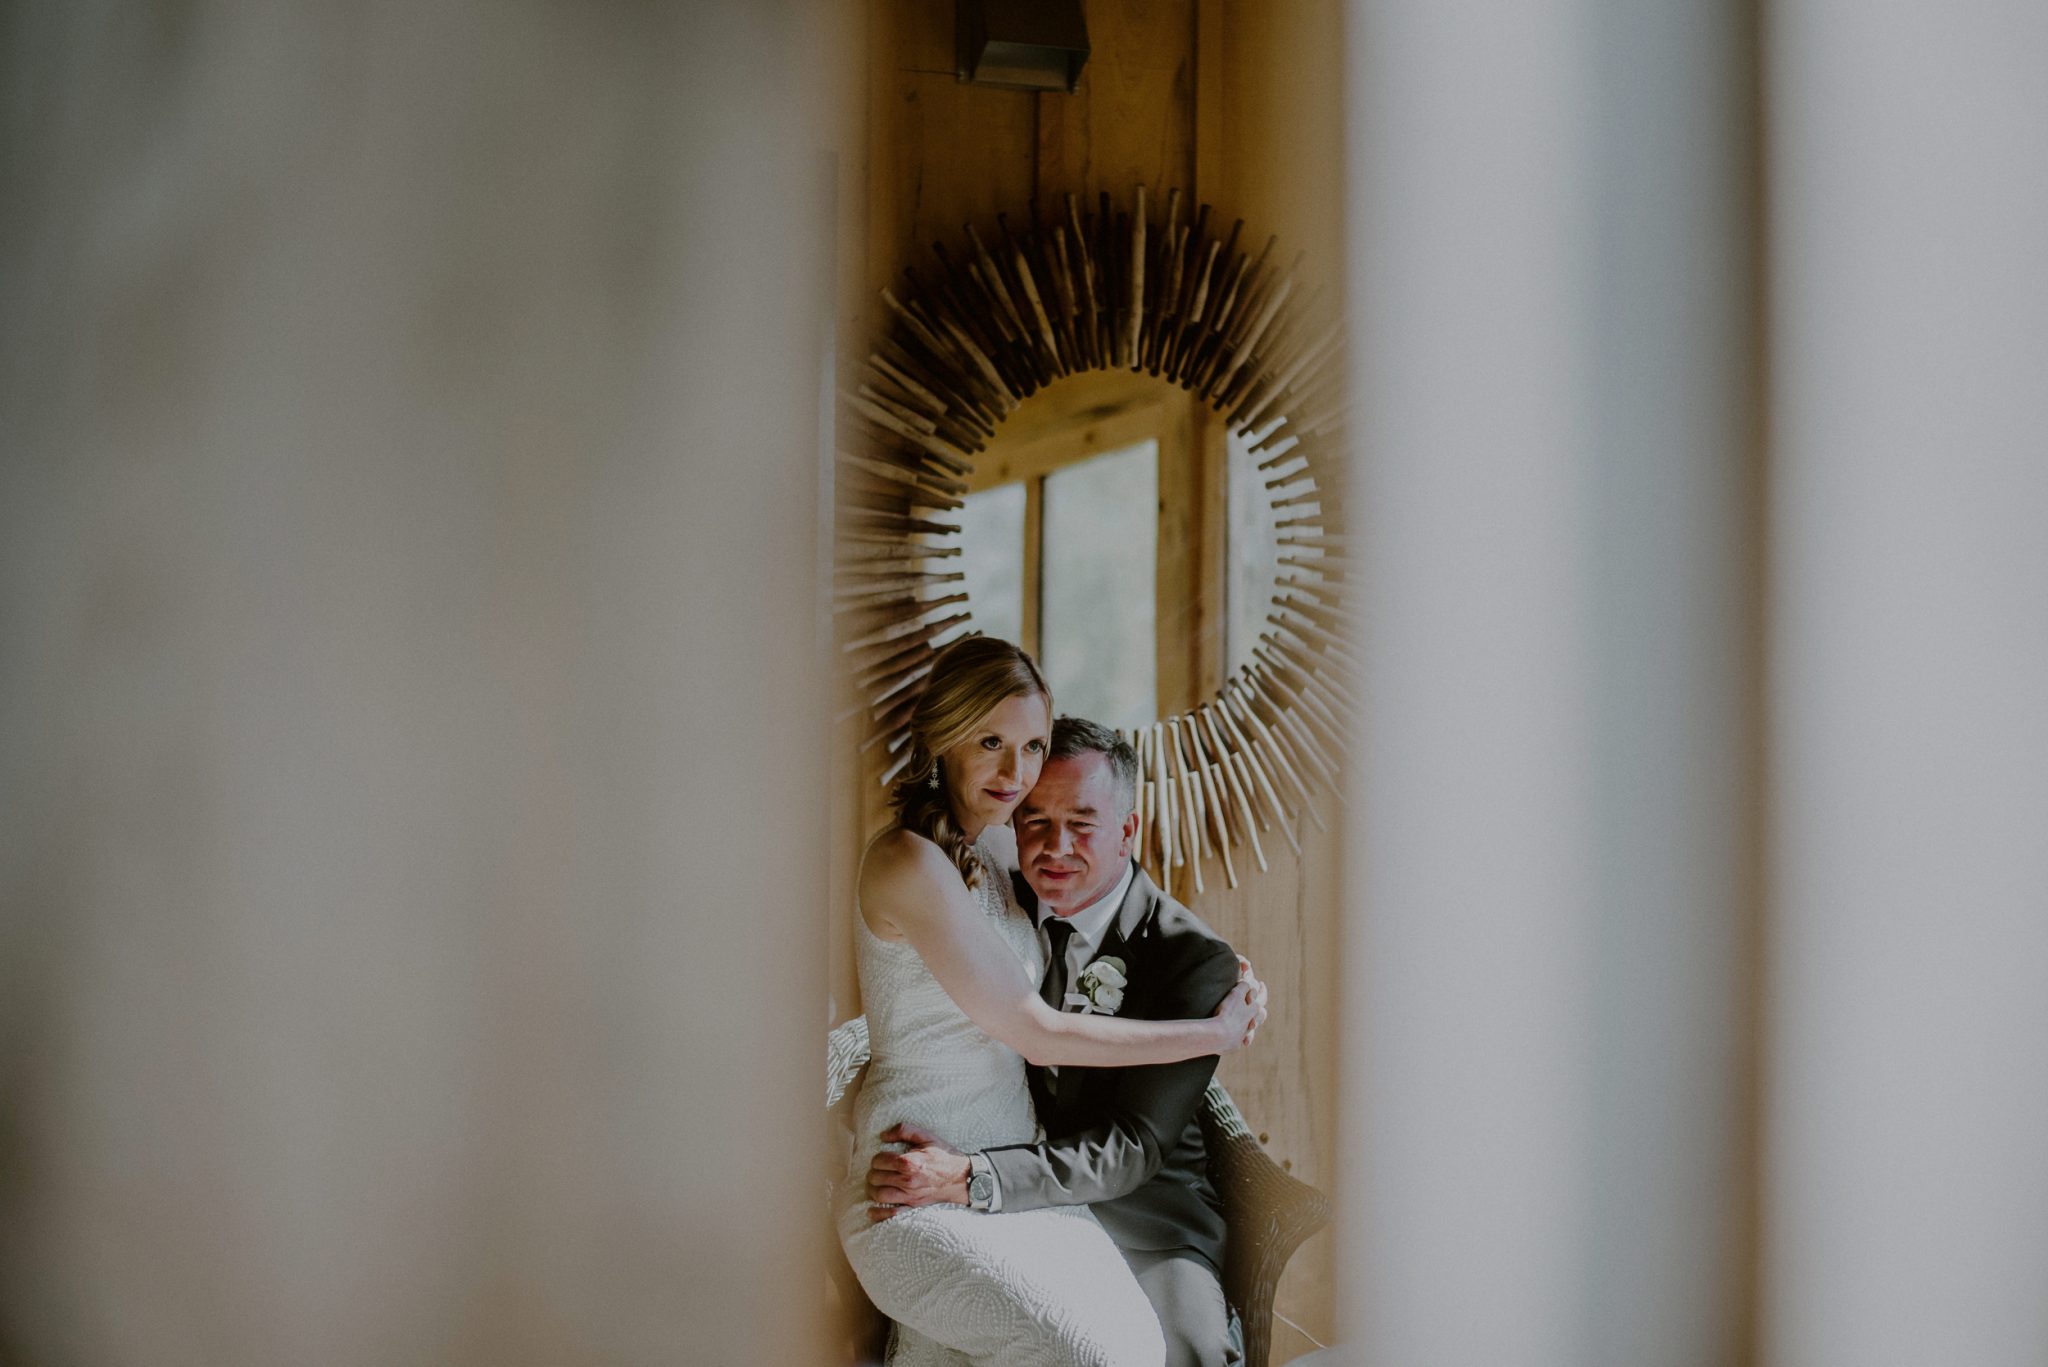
[898,874]
[897,855]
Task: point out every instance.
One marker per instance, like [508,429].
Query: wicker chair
[1268,1211]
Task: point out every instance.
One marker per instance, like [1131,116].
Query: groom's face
[1074,832]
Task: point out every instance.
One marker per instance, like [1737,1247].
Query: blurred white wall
[412,728]
[1700,855]
[1551,287]
[1908,1026]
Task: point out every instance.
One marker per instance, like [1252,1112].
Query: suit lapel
[1128,924]
[1137,904]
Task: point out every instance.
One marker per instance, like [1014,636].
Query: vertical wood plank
[1207,155]
[1177,575]
[1132,121]
[1034,565]
[1209,453]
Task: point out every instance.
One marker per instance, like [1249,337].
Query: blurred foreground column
[1550,290]
[413,716]
[1908,1099]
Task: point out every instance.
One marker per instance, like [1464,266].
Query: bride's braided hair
[969,678]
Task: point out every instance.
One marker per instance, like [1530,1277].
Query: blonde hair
[969,678]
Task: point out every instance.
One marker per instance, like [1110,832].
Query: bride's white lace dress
[1036,1288]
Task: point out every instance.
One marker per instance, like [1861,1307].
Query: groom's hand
[1245,975]
[928,1173]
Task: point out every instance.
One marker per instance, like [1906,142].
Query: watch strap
[984,1193]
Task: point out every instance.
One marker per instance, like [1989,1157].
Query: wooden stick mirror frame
[995,321]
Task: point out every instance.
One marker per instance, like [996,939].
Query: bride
[949,970]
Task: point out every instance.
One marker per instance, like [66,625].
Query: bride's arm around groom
[1122,1140]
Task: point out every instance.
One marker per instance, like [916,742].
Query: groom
[1122,1140]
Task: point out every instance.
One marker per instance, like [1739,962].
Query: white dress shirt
[1091,925]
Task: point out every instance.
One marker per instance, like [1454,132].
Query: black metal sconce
[1022,44]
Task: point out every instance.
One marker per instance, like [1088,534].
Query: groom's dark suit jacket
[1125,1140]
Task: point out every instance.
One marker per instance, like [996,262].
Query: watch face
[980,1187]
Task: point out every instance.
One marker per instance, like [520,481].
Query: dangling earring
[933,781]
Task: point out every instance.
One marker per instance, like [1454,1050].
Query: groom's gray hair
[1073,736]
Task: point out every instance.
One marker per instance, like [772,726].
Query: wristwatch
[981,1182]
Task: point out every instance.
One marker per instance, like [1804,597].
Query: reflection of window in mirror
[1084,536]
[1090,538]
[1095,626]
[1250,580]
[1254,542]
[992,557]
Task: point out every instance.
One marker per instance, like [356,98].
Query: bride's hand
[1237,1019]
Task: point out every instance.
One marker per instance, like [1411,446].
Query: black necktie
[1054,989]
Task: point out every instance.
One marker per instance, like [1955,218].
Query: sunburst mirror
[987,334]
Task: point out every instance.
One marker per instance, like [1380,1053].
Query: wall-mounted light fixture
[1023,44]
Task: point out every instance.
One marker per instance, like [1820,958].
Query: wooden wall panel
[1271,120]
[1246,96]
[1286,921]
[1280,125]
[1132,122]
[941,153]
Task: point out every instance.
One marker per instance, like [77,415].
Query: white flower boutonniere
[1102,985]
